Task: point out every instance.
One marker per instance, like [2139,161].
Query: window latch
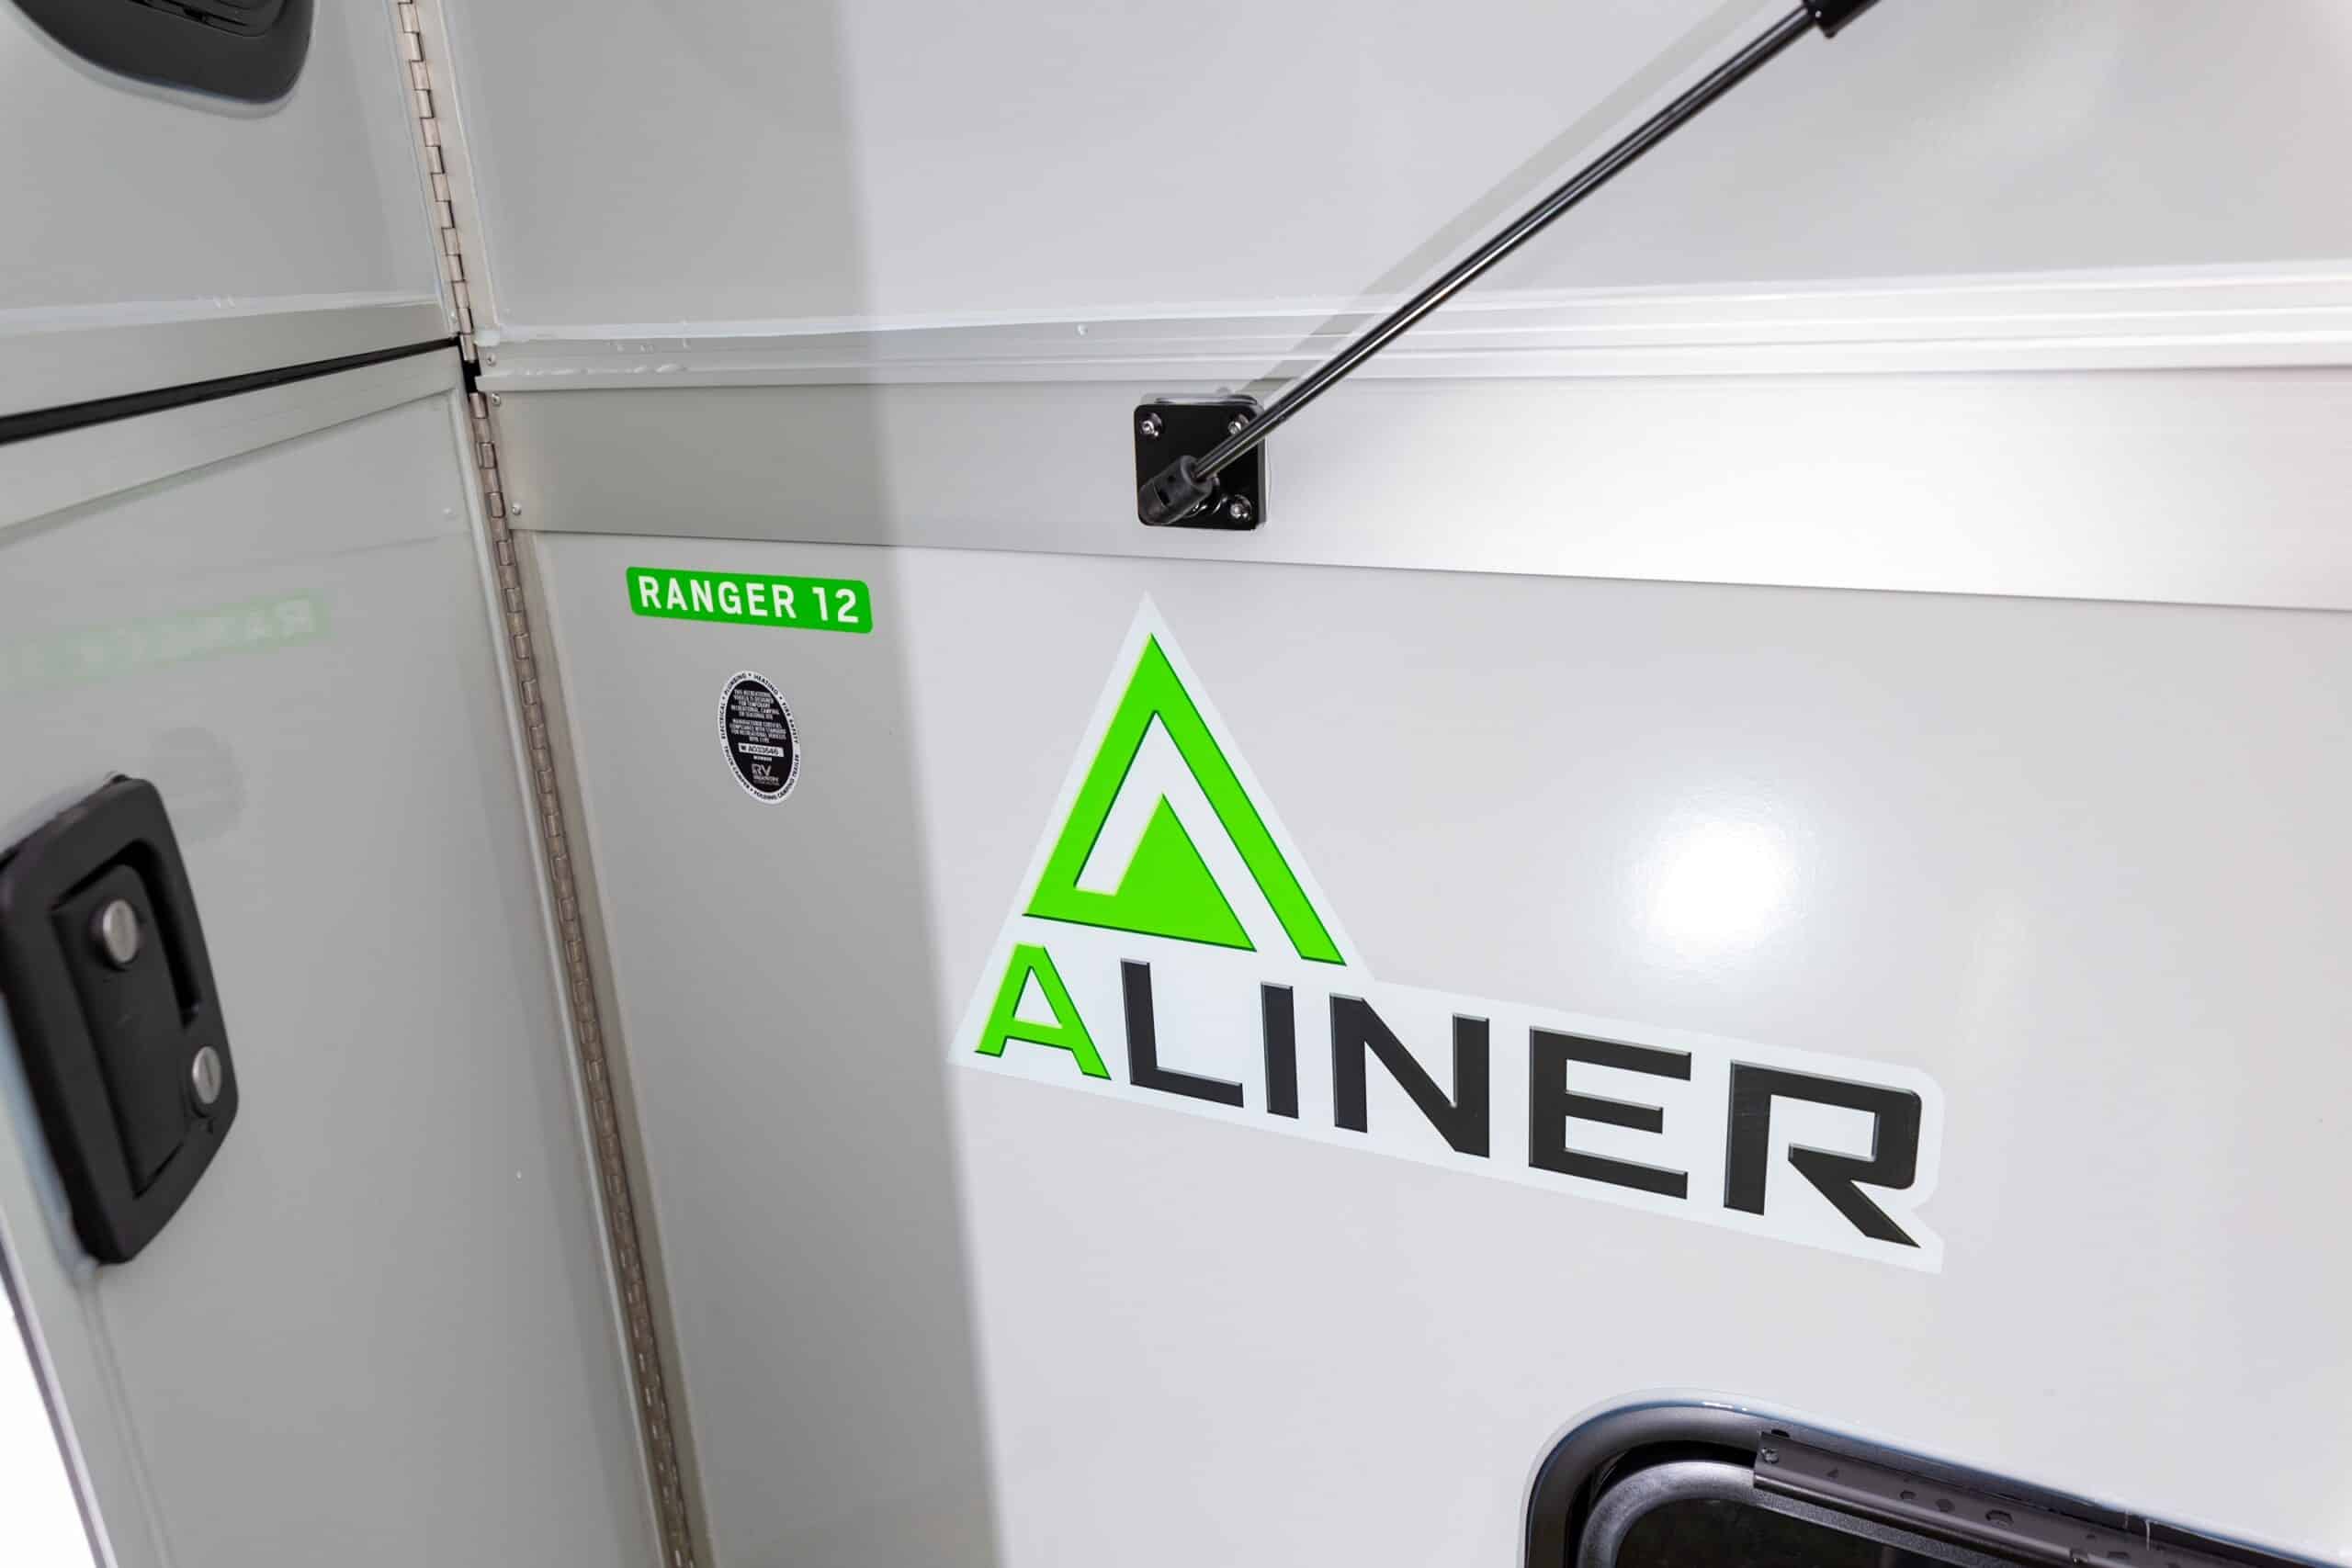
[2012,1529]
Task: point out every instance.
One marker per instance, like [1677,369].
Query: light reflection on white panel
[1719,885]
[40,1527]
[907,161]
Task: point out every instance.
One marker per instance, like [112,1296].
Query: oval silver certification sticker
[763,747]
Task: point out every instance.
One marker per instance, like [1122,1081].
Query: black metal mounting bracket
[1170,430]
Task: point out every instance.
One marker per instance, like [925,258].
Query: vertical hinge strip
[644,1368]
[428,125]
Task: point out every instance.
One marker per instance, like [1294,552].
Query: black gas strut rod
[1184,488]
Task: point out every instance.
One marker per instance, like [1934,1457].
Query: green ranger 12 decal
[751,599]
[1169,949]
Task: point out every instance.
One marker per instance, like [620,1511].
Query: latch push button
[110,996]
[132,1012]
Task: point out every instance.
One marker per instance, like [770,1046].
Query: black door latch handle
[110,994]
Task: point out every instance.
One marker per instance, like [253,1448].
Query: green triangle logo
[1168,889]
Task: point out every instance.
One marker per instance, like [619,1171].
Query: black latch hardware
[251,50]
[1171,434]
[110,996]
[1188,484]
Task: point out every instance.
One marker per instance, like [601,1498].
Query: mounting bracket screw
[1150,425]
[1238,509]
[1239,424]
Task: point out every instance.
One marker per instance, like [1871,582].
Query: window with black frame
[1706,1487]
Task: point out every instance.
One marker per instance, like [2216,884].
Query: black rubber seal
[99,411]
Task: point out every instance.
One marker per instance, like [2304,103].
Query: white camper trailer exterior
[1728,898]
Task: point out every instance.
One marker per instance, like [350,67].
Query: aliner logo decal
[1169,947]
[1167,889]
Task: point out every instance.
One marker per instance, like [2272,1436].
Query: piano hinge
[655,1401]
[447,244]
